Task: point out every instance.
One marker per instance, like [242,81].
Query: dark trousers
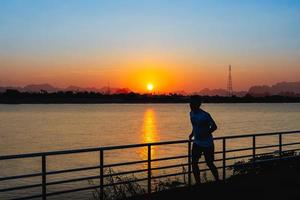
[209,155]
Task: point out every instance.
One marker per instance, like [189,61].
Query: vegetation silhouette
[11,96]
[268,178]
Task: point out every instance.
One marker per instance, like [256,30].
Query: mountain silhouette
[39,87]
[277,89]
[50,89]
[281,88]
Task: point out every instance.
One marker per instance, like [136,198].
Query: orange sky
[183,46]
[166,76]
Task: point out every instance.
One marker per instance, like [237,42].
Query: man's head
[195,102]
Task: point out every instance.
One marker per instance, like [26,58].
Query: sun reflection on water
[149,133]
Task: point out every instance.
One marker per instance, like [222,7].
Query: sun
[149,87]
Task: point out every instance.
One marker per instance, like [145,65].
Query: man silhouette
[203,127]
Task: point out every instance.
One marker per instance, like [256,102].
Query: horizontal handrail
[125,163]
[20,176]
[168,158]
[74,151]
[255,156]
[20,187]
[137,171]
[28,197]
[72,170]
[257,135]
[130,181]
[124,173]
[142,161]
[292,143]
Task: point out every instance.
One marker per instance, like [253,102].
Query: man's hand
[191,136]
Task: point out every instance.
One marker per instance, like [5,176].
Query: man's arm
[213,125]
[191,136]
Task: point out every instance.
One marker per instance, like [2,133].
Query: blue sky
[71,35]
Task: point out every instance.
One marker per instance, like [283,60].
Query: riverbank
[16,97]
[280,180]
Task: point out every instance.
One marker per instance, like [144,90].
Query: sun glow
[150,87]
[150,78]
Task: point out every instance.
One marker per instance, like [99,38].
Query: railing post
[224,159]
[254,148]
[189,164]
[101,193]
[44,181]
[149,168]
[280,145]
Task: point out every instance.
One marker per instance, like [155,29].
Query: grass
[246,178]
[132,188]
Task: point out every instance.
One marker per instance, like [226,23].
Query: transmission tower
[229,84]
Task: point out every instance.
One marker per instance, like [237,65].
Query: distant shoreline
[94,98]
[146,102]
[16,97]
[74,103]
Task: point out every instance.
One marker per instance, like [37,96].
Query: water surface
[35,128]
[31,128]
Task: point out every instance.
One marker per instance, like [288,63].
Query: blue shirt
[202,123]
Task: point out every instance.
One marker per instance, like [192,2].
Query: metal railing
[102,150]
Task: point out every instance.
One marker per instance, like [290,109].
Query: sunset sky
[175,45]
